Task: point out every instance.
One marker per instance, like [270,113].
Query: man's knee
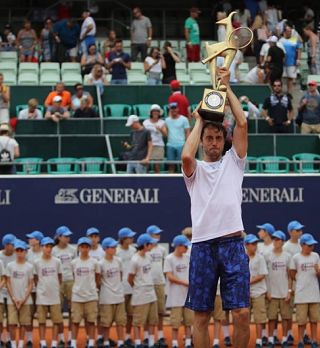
[241,316]
[201,320]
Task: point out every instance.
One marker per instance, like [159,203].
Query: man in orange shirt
[60,91]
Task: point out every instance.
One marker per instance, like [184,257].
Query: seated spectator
[89,59]
[31,112]
[27,41]
[97,78]
[4,101]
[179,98]
[48,42]
[108,45]
[60,91]
[118,63]
[56,111]
[85,110]
[256,75]
[8,39]
[250,110]
[79,94]
[153,65]
[9,150]
[170,58]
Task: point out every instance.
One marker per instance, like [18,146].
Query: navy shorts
[223,258]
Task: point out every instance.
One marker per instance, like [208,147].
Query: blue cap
[92,230]
[47,240]
[126,232]
[109,243]
[250,239]
[295,225]
[280,235]
[8,239]
[63,231]
[20,244]
[153,229]
[267,227]
[308,239]
[180,240]
[35,235]
[145,238]
[84,240]
[173,105]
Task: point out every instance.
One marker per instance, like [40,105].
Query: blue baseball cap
[35,235]
[250,239]
[8,239]
[280,235]
[63,231]
[180,240]
[153,229]
[145,238]
[295,225]
[84,240]
[308,239]
[47,240]
[126,232]
[267,227]
[20,244]
[109,243]
[91,231]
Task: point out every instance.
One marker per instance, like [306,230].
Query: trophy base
[212,106]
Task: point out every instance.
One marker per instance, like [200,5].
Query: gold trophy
[213,101]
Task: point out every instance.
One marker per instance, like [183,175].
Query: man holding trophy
[214,185]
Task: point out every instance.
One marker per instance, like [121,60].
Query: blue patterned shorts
[223,258]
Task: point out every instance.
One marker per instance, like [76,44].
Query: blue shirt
[176,130]
[291,47]
[68,35]
[119,72]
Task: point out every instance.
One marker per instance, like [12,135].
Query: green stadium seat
[273,164]
[28,165]
[8,57]
[142,110]
[155,43]
[49,67]
[29,68]
[305,162]
[24,106]
[116,110]
[181,67]
[314,78]
[8,67]
[71,78]
[135,78]
[196,66]
[165,110]
[49,78]
[63,165]
[183,77]
[9,77]
[93,165]
[28,78]
[136,66]
[198,77]
[68,67]
[251,165]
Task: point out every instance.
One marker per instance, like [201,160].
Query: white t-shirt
[157,255]
[2,273]
[257,266]
[9,144]
[179,267]
[85,288]
[221,32]
[24,114]
[5,261]
[156,135]
[292,248]
[111,291]
[65,255]
[33,256]
[307,284]
[252,76]
[277,278]
[88,21]
[125,255]
[215,190]
[143,287]
[98,253]
[238,58]
[20,275]
[264,249]
[48,286]
[156,68]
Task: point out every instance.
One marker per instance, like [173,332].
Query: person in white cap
[140,147]
[56,112]
[9,150]
[265,48]
[158,130]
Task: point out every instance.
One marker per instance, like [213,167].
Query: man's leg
[144,51]
[134,52]
[241,324]
[200,330]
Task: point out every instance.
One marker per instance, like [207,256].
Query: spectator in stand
[118,63]
[108,45]
[265,49]
[140,147]
[192,35]
[56,112]
[292,47]
[89,59]
[256,75]
[309,110]
[48,42]
[97,78]
[243,16]
[170,58]
[85,110]
[260,32]
[60,91]
[221,31]
[9,150]
[179,98]
[88,31]
[27,41]
[31,112]
[158,131]
[8,39]
[153,66]
[141,34]
[250,110]
[178,131]
[277,109]
[313,49]
[4,101]
[79,94]
[308,18]
[67,34]
[275,60]
[272,16]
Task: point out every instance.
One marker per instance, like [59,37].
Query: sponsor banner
[112,202]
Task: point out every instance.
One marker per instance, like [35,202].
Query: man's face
[288,32]
[47,249]
[60,87]
[295,234]
[118,47]
[136,13]
[213,143]
[252,247]
[84,249]
[85,14]
[262,234]
[194,14]
[95,238]
[111,251]
[277,243]
[174,111]
[307,249]
[312,88]
[277,87]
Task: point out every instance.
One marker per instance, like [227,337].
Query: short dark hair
[118,41]
[219,126]
[277,80]
[77,85]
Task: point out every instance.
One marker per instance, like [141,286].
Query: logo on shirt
[82,271]
[156,258]
[307,267]
[278,265]
[48,271]
[18,275]
[65,259]
[112,272]
[146,269]
[181,268]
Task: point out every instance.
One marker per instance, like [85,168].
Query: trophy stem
[213,68]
